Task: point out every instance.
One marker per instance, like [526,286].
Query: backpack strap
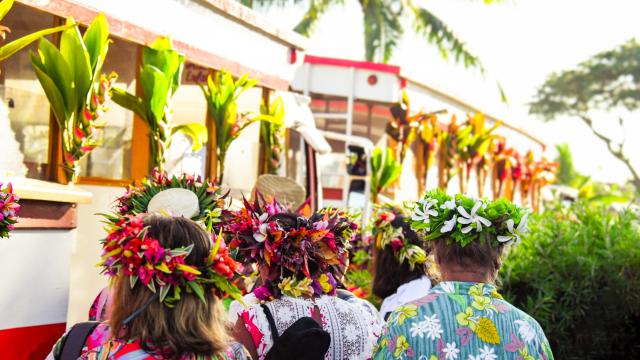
[272,323]
[75,340]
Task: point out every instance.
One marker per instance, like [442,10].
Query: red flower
[153,252]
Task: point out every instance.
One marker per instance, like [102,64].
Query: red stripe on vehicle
[32,342]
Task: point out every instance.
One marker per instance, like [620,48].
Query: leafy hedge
[578,274]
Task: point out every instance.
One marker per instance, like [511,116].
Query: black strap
[75,340]
[272,323]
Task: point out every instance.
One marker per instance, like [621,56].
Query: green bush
[578,274]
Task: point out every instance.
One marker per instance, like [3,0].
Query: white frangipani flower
[449,224]
[425,209]
[451,204]
[469,219]
[515,235]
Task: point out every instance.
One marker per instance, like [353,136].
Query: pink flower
[145,274]
[153,252]
[262,293]
[396,244]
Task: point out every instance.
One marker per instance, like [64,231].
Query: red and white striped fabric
[34,291]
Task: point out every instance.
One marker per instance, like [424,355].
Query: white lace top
[354,325]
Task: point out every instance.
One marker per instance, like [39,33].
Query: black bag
[304,339]
[75,340]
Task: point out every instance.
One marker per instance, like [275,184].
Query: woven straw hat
[285,190]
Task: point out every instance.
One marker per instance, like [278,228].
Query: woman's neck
[465,276]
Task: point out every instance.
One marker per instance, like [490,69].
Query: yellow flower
[401,346]
[405,312]
[324,283]
[290,287]
[524,353]
[476,290]
[464,318]
[496,295]
[481,302]
[433,357]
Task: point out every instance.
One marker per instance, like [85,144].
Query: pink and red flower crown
[129,251]
[311,250]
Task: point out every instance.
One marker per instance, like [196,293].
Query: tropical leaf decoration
[160,76]
[272,135]
[135,201]
[221,93]
[487,331]
[447,141]
[77,91]
[474,146]
[427,148]
[385,170]
[7,50]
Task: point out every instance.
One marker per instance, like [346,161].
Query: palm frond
[382,28]
[435,31]
[316,9]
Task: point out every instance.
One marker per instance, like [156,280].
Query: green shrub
[578,274]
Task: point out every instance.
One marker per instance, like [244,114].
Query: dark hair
[191,326]
[482,254]
[389,273]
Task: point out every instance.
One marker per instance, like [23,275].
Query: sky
[520,42]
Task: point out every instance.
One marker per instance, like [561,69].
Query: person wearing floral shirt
[464,317]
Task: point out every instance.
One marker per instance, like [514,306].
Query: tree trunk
[618,153]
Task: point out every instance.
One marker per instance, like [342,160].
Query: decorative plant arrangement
[7,50]
[160,76]
[9,209]
[474,147]
[447,152]
[76,90]
[385,170]
[221,93]
[272,135]
[137,198]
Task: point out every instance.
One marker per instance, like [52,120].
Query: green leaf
[73,50]
[5,6]
[96,39]
[51,90]
[58,70]
[164,290]
[156,89]
[133,279]
[13,47]
[130,102]
[195,131]
[198,290]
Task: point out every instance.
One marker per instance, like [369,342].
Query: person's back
[102,345]
[352,327]
[167,277]
[486,327]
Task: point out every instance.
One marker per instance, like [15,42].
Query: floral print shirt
[465,321]
[101,345]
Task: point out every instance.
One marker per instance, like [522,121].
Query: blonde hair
[191,326]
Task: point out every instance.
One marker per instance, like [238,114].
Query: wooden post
[141,137]
[212,144]
[263,162]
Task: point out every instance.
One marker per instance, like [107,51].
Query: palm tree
[383,27]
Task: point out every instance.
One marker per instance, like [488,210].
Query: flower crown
[309,249]
[128,250]
[463,219]
[9,209]
[137,198]
[387,229]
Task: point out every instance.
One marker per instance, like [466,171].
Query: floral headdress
[304,254]
[389,227]
[463,219]
[9,209]
[138,198]
[129,250]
